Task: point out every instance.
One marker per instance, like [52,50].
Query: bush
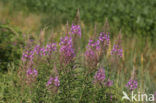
[11,43]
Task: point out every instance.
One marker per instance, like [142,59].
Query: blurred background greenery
[132,16]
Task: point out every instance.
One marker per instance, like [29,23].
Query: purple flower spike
[90,53]
[104,38]
[76,29]
[40,50]
[53,81]
[109,83]
[56,81]
[32,72]
[50,81]
[66,50]
[132,84]
[28,55]
[37,49]
[111,97]
[35,72]
[31,75]
[43,51]
[100,75]
[94,45]
[50,48]
[117,51]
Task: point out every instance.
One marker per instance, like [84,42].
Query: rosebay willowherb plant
[100,76]
[31,76]
[53,84]
[132,84]
[117,50]
[75,30]
[66,50]
[109,83]
[28,55]
[97,49]
[75,34]
[91,58]
[60,77]
[104,40]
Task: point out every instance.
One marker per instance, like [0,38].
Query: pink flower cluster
[100,77]
[31,75]
[104,40]
[132,84]
[32,72]
[41,51]
[28,55]
[50,48]
[101,43]
[94,45]
[76,29]
[53,81]
[109,83]
[66,50]
[96,49]
[117,50]
[90,54]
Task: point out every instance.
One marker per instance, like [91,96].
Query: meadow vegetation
[50,52]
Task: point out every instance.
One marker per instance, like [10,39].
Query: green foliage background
[139,15]
[11,43]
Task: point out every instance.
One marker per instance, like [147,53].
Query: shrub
[11,43]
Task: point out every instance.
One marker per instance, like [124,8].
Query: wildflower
[53,81]
[37,49]
[43,51]
[117,51]
[76,29]
[132,84]
[28,55]
[94,45]
[100,75]
[66,49]
[50,81]
[50,48]
[91,57]
[40,50]
[31,75]
[32,72]
[111,98]
[109,83]
[90,53]
[104,39]
[56,81]
[100,46]
[66,41]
